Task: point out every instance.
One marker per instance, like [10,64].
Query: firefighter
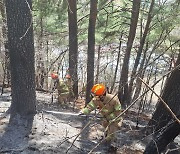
[63,88]
[69,84]
[110,108]
[55,80]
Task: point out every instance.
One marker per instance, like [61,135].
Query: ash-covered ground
[59,129]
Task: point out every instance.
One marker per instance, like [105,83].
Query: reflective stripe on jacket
[62,87]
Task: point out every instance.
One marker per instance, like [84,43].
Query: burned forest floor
[59,129]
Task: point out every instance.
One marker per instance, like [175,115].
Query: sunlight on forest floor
[55,133]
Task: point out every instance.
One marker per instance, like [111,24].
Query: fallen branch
[78,136]
[13,150]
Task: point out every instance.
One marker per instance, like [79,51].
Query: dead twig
[78,135]
[156,146]
[171,150]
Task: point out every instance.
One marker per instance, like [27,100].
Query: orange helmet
[98,89]
[54,76]
[68,76]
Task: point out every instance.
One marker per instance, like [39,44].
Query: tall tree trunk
[171,95]
[117,63]
[140,49]
[123,85]
[21,49]
[91,48]
[98,64]
[141,74]
[40,68]
[73,44]
[7,75]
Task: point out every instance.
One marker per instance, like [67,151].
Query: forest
[131,47]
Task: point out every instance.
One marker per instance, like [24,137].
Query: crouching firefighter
[110,108]
[62,87]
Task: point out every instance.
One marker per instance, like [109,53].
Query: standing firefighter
[110,108]
[63,87]
[69,84]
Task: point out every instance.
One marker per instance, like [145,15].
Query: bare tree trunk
[46,85]
[21,49]
[98,63]
[123,85]
[117,64]
[7,75]
[140,49]
[73,44]
[91,48]
[141,74]
[40,68]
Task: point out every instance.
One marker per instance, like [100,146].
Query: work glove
[81,113]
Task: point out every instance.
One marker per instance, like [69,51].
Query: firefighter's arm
[116,112]
[90,107]
[65,93]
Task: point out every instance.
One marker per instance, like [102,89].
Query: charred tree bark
[21,50]
[171,95]
[73,44]
[167,135]
[91,48]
